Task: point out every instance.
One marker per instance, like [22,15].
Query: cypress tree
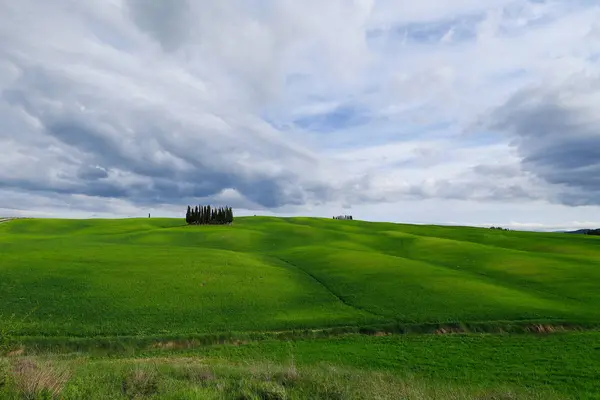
[188,215]
[196,215]
[229,215]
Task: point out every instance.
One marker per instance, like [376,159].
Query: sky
[461,112]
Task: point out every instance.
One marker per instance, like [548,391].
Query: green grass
[80,290]
[159,277]
[562,365]
[191,378]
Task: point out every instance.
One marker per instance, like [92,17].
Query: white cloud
[136,106]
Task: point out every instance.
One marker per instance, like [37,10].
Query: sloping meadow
[159,276]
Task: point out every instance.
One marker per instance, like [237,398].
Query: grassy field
[503,367]
[158,276]
[69,284]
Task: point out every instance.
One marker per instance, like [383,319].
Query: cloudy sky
[436,111]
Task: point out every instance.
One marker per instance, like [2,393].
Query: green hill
[159,276]
[151,292]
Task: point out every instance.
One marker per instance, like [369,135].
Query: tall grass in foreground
[188,378]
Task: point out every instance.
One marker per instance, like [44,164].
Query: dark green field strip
[101,344]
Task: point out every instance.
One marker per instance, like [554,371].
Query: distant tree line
[499,228]
[593,232]
[343,217]
[207,215]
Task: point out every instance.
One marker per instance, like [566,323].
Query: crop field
[117,277]
[158,276]
[145,280]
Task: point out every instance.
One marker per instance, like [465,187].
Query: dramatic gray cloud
[167,22]
[114,106]
[134,127]
[556,131]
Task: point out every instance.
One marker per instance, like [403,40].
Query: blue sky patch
[341,118]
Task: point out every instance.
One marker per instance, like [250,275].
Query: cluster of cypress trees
[205,215]
[349,217]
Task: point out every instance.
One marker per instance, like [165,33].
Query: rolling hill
[83,278]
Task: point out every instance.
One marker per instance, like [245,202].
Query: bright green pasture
[467,367]
[564,363]
[159,276]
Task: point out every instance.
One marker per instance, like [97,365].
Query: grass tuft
[248,389]
[199,375]
[143,381]
[38,381]
[4,372]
